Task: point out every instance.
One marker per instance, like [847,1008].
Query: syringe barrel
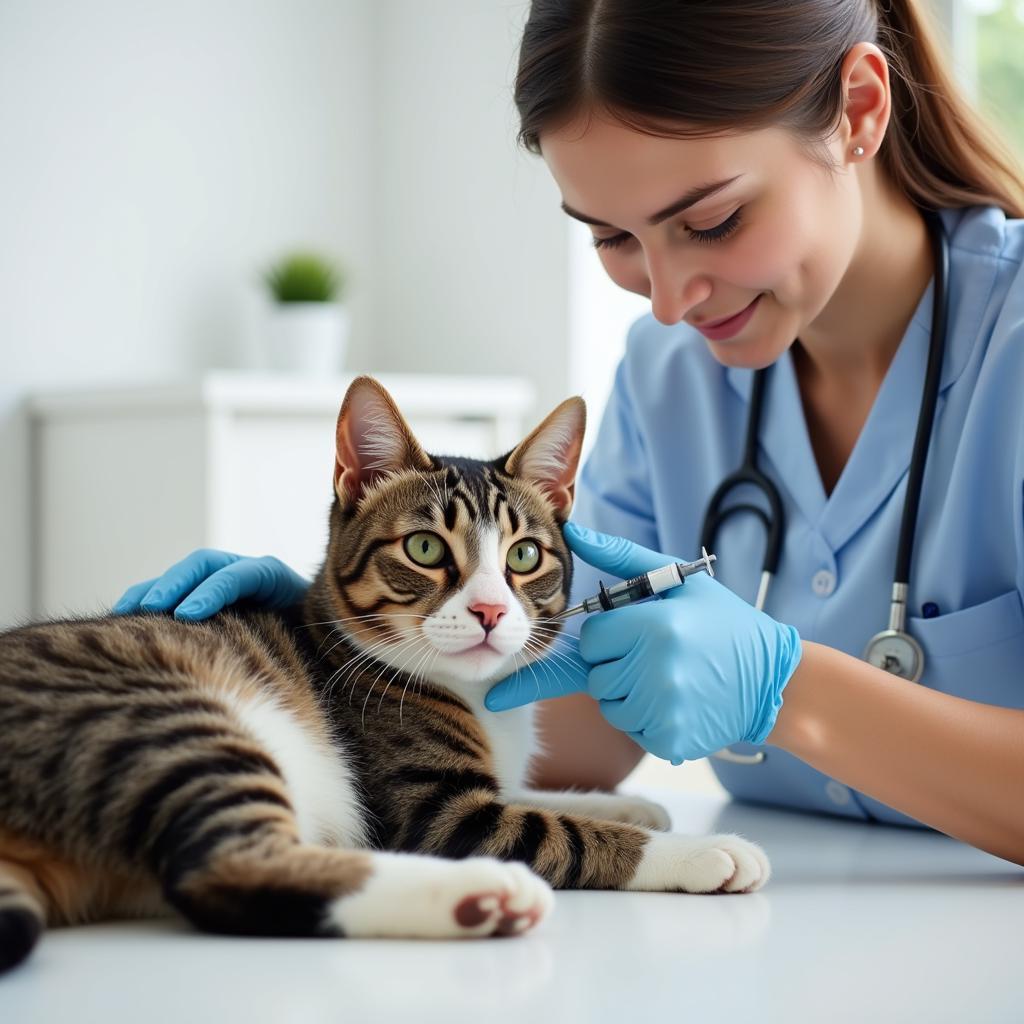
[629,591]
[665,578]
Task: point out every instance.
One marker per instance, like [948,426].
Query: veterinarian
[832,246]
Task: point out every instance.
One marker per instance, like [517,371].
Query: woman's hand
[683,676]
[208,580]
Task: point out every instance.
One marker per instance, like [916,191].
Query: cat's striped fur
[285,772]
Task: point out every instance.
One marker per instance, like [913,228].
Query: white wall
[153,156]
[471,247]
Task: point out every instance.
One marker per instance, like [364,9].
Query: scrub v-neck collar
[881,455]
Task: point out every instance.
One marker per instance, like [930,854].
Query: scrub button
[837,792]
[823,583]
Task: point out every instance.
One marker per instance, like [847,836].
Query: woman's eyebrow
[694,196]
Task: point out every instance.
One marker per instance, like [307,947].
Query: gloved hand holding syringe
[684,676]
[639,588]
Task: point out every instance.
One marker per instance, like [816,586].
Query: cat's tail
[22,917]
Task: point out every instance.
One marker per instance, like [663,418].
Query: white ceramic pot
[307,337]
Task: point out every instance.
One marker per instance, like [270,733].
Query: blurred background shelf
[128,480]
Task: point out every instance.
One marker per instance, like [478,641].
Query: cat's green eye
[426,549]
[523,556]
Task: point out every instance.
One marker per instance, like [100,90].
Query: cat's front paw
[717,863]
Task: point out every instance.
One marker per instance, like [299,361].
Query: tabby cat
[330,769]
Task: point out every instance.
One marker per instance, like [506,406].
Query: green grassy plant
[304,277]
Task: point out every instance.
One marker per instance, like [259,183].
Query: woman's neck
[851,343]
[841,358]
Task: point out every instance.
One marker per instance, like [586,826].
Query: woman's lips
[720,330]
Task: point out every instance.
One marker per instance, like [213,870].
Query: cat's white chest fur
[511,736]
[513,741]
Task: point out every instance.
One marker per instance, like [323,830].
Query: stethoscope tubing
[748,473]
[929,401]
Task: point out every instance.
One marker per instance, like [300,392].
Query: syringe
[641,587]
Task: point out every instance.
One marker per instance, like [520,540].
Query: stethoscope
[893,649]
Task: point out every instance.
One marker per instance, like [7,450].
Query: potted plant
[308,325]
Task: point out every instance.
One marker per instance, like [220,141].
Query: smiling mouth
[726,319]
[722,330]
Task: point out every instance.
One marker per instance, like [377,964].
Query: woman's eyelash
[719,231]
[716,234]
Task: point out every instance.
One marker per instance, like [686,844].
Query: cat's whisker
[433,485]
[553,650]
[548,673]
[555,641]
[365,615]
[562,663]
[394,649]
[408,677]
[361,653]
[377,678]
[399,671]
[530,665]
[419,681]
[570,642]
[320,646]
[342,637]
[355,640]
[404,641]
[354,618]
[570,667]
[525,665]
[555,634]
[557,644]
[340,676]
[402,672]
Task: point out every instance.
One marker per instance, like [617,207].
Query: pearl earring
[858,150]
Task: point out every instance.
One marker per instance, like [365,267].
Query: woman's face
[773,243]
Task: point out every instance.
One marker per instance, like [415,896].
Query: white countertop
[859,923]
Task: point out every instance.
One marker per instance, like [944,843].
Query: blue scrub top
[674,427]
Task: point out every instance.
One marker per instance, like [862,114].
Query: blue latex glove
[208,580]
[684,675]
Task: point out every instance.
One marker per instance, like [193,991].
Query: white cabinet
[127,481]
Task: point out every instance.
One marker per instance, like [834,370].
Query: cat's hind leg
[22,914]
[270,884]
[41,885]
[228,854]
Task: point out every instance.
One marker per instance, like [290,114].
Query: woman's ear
[550,456]
[868,97]
[372,441]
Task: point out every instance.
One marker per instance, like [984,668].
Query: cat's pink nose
[488,614]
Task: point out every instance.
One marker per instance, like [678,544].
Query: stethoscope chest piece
[897,652]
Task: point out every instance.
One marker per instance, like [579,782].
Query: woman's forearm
[951,763]
[580,749]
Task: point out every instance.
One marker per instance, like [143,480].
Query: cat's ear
[372,441]
[550,455]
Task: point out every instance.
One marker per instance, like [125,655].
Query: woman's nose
[675,290]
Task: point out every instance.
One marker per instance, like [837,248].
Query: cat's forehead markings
[433,486]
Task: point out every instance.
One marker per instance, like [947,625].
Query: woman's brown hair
[685,68]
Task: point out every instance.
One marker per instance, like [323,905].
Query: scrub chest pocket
[977,652]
